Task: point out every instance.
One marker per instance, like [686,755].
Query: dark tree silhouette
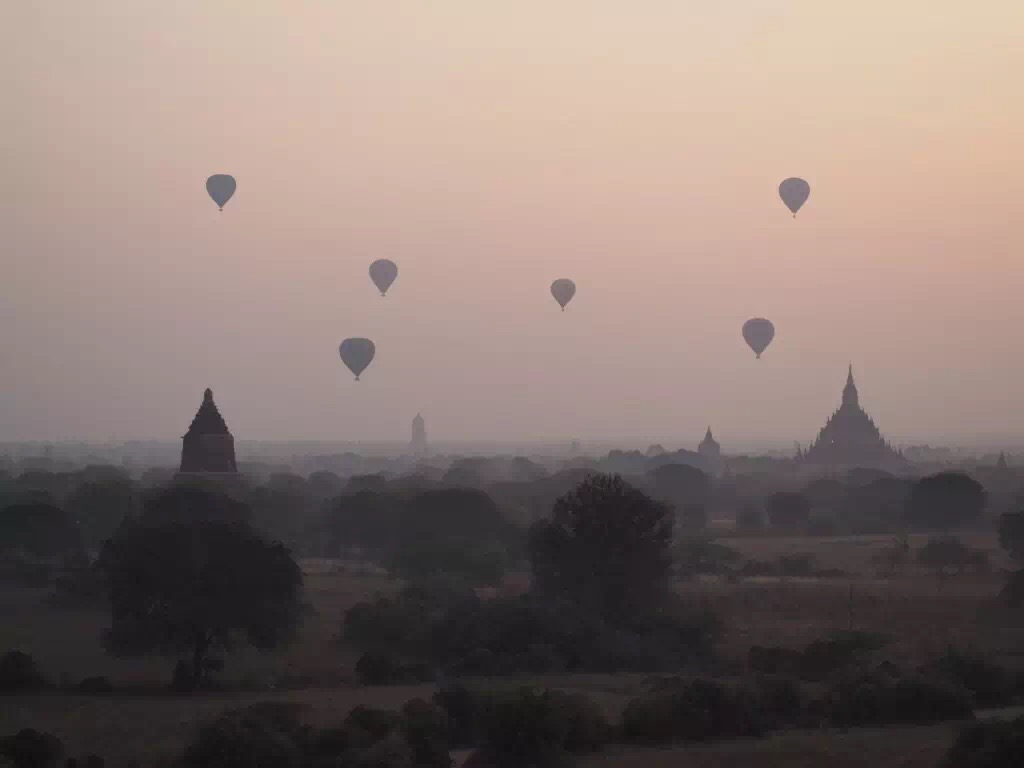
[789,511]
[944,501]
[1011,534]
[749,518]
[99,506]
[606,546]
[184,584]
[41,530]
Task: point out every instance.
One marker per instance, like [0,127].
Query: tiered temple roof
[208,445]
[850,437]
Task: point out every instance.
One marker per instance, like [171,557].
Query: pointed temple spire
[208,445]
[850,397]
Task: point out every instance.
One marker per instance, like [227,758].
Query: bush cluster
[819,659]
[881,698]
[521,635]
[997,744]
[695,710]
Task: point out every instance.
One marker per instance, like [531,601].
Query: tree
[680,485]
[944,501]
[41,530]
[1011,534]
[944,554]
[788,511]
[100,506]
[749,518]
[184,584]
[606,546]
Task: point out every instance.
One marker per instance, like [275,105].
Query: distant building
[657,449]
[208,447]
[851,439]
[710,451]
[418,444]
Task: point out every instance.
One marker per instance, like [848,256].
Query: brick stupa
[208,447]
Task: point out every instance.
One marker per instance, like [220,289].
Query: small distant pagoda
[851,439]
[418,444]
[711,451]
[208,447]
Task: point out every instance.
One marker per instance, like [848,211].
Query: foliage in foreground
[998,744]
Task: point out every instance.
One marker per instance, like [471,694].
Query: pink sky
[489,148]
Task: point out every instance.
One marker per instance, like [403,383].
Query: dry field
[317,673]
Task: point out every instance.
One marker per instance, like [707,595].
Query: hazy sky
[489,147]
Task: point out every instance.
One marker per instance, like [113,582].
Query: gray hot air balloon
[383,273]
[221,187]
[794,193]
[563,290]
[758,334]
[357,354]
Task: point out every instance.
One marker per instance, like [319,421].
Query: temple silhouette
[418,443]
[208,447]
[851,439]
[711,451]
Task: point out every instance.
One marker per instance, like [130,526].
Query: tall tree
[944,501]
[789,511]
[606,546]
[181,584]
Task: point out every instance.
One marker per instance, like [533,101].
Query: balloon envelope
[794,193]
[383,273]
[221,187]
[758,334]
[357,354]
[563,290]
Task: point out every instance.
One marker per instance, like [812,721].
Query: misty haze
[511,385]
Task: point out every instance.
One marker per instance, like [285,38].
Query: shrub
[750,518]
[19,672]
[699,710]
[426,732]
[779,699]
[385,669]
[96,685]
[260,736]
[997,744]
[788,511]
[798,565]
[465,712]
[540,728]
[822,658]
[881,699]
[29,748]
[773,660]
[991,684]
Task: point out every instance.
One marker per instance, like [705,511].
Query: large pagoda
[208,447]
[851,439]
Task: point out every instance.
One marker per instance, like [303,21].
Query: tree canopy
[606,546]
[946,500]
[38,529]
[180,583]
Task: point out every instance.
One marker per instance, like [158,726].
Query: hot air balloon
[221,187]
[758,334]
[383,273]
[563,290]
[794,193]
[357,354]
